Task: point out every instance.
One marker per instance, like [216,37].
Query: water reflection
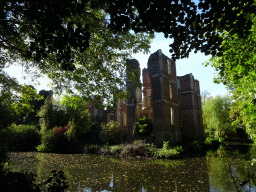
[230,169]
[222,170]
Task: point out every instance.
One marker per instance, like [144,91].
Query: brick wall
[190,107]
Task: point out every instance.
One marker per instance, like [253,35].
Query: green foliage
[166,153]
[15,107]
[6,113]
[144,127]
[75,22]
[111,132]
[24,105]
[22,137]
[216,116]
[53,143]
[179,149]
[100,68]
[51,115]
[93,148]
[166,145]
[59,142]
[72,112]
[78,115]
[236,70]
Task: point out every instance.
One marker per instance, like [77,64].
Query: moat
[225,169]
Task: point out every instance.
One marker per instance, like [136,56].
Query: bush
[211,143]
[50,142]
[166,145]
[22,137]
[59,140]
[111,132]
[69,112]
[167,153]
[93,148]
[51,115]
[138,148]
[78,115]
[144,127]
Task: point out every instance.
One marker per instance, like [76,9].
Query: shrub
[138,148]
[51,115]
[111,132]
[78,115]
[72,111]
[23,137]
[166,145]
[166,153]
[151,149]
[93,148]
[144,127]
[59,140]
[54,140]
[49,141]
[179,149]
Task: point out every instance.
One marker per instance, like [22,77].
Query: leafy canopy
[236,69]
[51,28]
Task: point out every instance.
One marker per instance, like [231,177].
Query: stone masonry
[164,97]
[190,107]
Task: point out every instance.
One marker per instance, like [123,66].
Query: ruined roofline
[186,76]
[160,53]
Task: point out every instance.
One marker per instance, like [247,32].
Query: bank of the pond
[141,149]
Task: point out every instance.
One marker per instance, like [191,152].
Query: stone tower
[147,92]
[133,104]
[164,97]
[190,107]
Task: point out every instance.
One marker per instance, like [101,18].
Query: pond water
[220,170]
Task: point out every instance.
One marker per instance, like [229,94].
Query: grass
[169,153]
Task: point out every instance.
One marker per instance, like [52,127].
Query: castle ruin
[173,103]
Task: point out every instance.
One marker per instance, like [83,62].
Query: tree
[176,19]
[100,69]
[17,105]
[236,70]
[216,116]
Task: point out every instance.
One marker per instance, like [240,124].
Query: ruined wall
[133,104]
[147,92]
[190,107]
[164,97]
